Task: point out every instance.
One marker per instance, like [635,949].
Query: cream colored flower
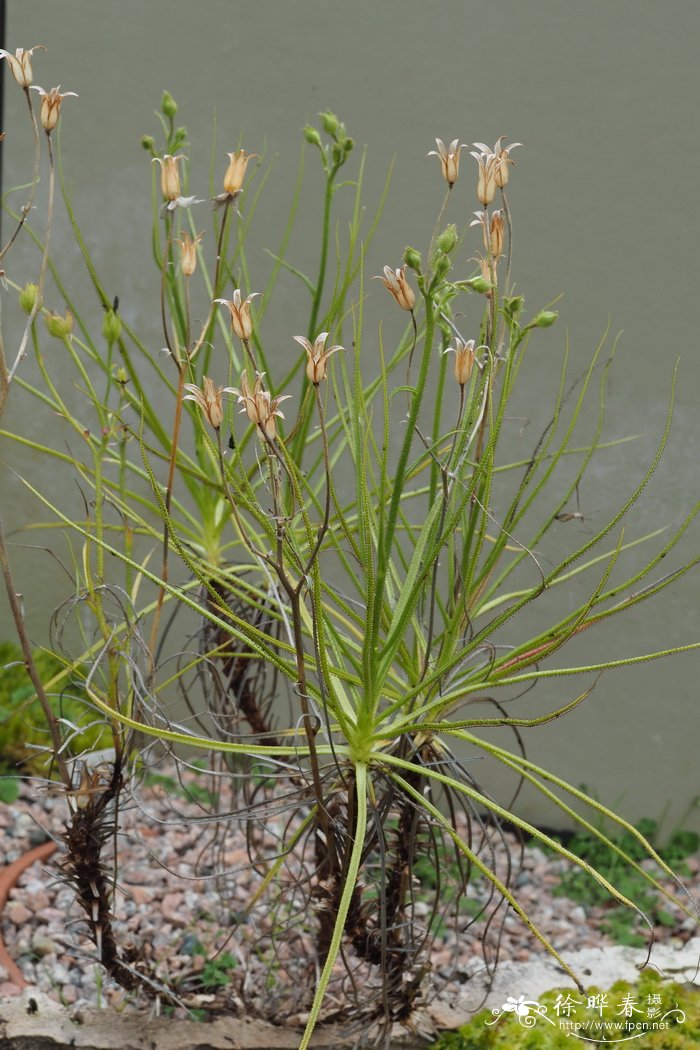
[51,106]
[486,186]
[169,176]
[188,252]
[21,63]
[241,320]
[316,356]
[496,234]
[502,155]
[209,399]
[395,282]
[493,229]
[235,173]
[449,159]
[465,356]
[259,405]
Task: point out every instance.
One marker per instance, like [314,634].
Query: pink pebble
[7,989]
[140,894]
[170,907]
[18,914]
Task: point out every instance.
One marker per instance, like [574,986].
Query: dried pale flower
[449,159]
[241,321]
[247,397]
[496,232]
[502,154]
[493,229]
[235,173]
[51,106]
[486,186]
[395,281]
[188,253]
[21,63]
[259,405]
[169,176]
[465,356]
[209,399]
[316,356]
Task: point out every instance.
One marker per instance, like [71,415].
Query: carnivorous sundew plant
[312,563]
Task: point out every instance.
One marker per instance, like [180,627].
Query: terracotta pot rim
[8,878]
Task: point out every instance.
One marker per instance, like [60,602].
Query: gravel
[184,883]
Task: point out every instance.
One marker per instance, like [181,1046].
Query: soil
[184,885]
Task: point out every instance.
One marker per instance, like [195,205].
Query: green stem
[304,423]
[386,536]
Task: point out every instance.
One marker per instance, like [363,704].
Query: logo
[598,1018]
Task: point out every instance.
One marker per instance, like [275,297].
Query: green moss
[22,719]
[648,994]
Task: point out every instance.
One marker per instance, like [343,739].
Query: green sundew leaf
[531,772]
[432,719]
[500,619]
[503,599]
[473,858]
[336,697]
[518,508]
[264,646]
[412,586]
[539,648]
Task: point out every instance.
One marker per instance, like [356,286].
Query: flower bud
[447,241]
[59,327]
[112,326]
[331,124]
[28,297]
[480,285]
[121,376]
[312,135]
[512,306]
[168,106]
[411,257]
[544,319]
[148,143]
